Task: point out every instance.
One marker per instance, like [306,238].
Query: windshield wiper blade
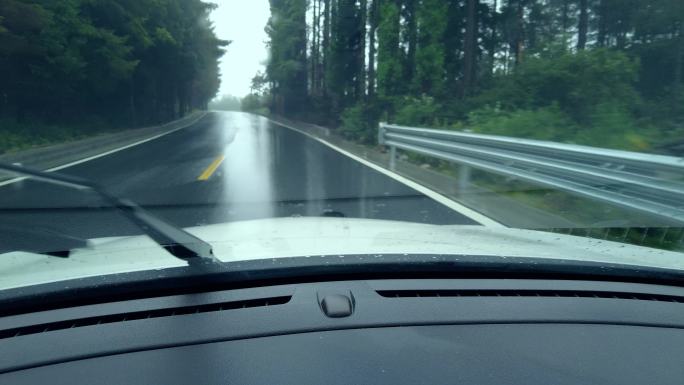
[176,241]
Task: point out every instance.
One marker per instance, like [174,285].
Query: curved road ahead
[226,167]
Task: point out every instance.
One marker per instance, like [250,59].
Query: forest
[598,72]
[72,67]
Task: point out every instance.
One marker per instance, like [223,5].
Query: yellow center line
[212,167]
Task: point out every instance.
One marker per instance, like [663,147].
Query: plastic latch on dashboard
[337,306]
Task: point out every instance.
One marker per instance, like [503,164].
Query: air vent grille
[530,293]
[139,315]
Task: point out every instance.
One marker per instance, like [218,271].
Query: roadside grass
[582,211]
[16,136]
[594,219]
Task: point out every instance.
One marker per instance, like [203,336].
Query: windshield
[233,130]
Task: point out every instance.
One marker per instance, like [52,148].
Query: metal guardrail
[652,184]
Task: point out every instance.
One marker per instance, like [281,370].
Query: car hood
[306,236]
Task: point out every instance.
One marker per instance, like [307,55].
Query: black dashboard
[395,331]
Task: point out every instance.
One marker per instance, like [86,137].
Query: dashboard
[394,331]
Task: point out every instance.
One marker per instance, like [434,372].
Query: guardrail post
[381,134]
[463,185]
[393,158]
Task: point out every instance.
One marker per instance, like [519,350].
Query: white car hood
[305,236]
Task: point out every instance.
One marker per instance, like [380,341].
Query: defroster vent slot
[529,293]
[145,314]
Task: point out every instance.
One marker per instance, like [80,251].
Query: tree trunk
[314,53]
[334,89]
[469,48]
[133,112]
[360,88]
[298,95]
[453,46]
[325,47]
[371,48]
[492,45]
[519,45]
[601,38]
[182,100]
[176,101]
[679,59]
[274,93]
[319,51]
[583,25]
[412,39]
[565,22]
[621,40]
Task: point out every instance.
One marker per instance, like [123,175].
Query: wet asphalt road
[227,167]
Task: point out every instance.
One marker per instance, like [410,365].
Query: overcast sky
[243,22]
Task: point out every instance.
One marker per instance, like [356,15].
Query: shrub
[575,82]
[18,136]
[360,123]
[548,123]
[613,126]
[421,111]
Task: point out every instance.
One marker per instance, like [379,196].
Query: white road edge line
[450,203]
[15,180]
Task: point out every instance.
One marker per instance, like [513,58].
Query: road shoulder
[60,156]
[480,204]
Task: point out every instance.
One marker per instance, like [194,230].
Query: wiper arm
[176,241]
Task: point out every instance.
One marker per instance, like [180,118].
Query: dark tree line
[605,72]
[120,62]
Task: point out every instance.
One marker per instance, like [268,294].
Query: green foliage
[666,111]
[390,80]
[126,62]
[259,84]
[578,82]
[255,104]
[432,23]
[345,70]
[588,98]
[360,123]
[287,68]
[421,111]
[546,123]
[611,126]
[226,103]
[16,136]
[597,72]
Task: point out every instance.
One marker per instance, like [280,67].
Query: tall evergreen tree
[517,63]
[470,47]
[583,27]
[119,61]
[287,69]
[374,14]
[430,73]
[390,68]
